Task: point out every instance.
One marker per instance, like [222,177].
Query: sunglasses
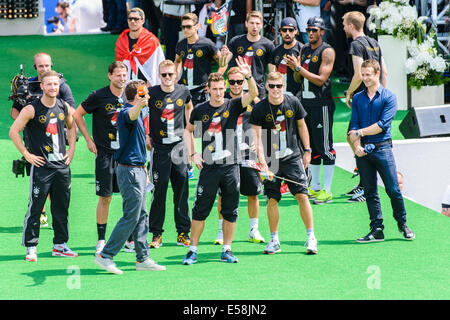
[233,82]
[187,27]
[278,86]
[166,75]
[134,19]
[285,30]
[313,30]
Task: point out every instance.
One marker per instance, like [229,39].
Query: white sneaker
[100,246]
[31,254]
[107,264]
[311,246]
[129,246]
[255,237]
[272,247]
[149,265]
[62,250]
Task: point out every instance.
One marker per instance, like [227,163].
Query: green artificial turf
[343,269]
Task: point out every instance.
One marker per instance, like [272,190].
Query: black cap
[316,22]
[289,22]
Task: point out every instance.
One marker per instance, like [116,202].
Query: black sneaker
[357,189]
[373,236]
[357,198]
[407,232]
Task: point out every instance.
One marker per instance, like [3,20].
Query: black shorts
[251,184]
[291,169]
[105,174]
[211,179]
[320,127]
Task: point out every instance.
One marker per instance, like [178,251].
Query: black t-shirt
[167,114]
[65,93]
[104,107]
[46,133]
[257,54]
[366,48]
[311,60]
[197,60]
[279,127]
[218,130]
[277,59]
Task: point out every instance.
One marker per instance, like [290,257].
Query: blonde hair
[370,63]
[190,16]
[166,63]
[50,73]
[355,18]
[274,75]
[254,14]
[233,70]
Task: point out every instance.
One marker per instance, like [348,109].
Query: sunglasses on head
[187,27]
[285,30]
[166,75]
[313,30]
[133,19]
[233,82]
[278,86]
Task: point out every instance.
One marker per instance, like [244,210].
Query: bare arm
[304,136]
[384,73]
[257,130]
[178,61]
[190,146]
[356,79]
[312,3]
[71,134]
[325,69]
[78,116]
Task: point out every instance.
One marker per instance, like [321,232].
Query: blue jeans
[381,160]
[132,184]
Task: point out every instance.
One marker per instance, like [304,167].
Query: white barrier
[20,27]
[424,163]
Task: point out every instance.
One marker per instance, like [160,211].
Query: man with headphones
[42,64]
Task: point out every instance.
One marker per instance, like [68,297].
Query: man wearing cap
[313,71]
[305,9]
[284,57]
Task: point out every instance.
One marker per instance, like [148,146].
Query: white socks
[328,177]
[315,177]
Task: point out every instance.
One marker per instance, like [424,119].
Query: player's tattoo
[328,56]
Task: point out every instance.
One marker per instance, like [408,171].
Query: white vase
[395,53]
[427,96]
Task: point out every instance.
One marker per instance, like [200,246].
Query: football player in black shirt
[45,119]
[104,105]
[249,177]
[216,120]
[254,48]
[284,56]
[278,123]
[170,107]
[194,58]
[42,64]
[314,72]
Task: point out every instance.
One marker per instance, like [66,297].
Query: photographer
[32,91]
[42,64]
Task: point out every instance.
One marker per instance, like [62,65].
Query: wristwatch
[308,150]
[297,68]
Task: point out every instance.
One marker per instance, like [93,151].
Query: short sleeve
[90,103]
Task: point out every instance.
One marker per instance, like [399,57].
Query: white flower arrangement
[425,65]
[393,17]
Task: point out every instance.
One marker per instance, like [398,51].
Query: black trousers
[45,181]
[167,164]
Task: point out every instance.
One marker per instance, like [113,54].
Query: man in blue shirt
[372,113]
[132,180]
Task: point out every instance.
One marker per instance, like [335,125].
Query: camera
[24,91]
[19,167]
[54,19]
